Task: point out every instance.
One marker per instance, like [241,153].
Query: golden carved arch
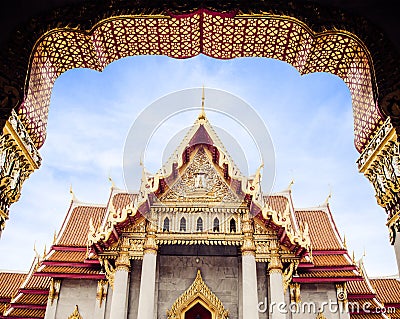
[202,32]
[198,292]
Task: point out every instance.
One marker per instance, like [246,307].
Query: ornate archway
[311,37]
[197,294]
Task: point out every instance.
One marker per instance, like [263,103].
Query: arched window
[216,225]
[232,226]
[182,225]
[199,224]
[166,224]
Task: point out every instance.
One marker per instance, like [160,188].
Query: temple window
[232,226]
[182,226]
[216,225]
[166,224]
[199,224]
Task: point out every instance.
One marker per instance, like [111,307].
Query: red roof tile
[322,233]
[387,289]
[9,283]
[358,288]
[75,231]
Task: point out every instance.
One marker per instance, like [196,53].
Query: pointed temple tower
[197,241]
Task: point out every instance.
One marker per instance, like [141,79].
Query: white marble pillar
[52,301]
[249,286]
[249,271]
[277,296]
[147,286]
[119,302]
[146,308]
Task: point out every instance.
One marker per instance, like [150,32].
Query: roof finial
[202,115]
[72,193]
[329,195]
[55,237]
[290,184]
[344,241]
[111,181]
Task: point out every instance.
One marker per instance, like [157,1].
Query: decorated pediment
[198,293]
[200,180]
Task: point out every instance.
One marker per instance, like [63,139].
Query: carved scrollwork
[54,290]
[380,163]
[288,274]
[101,294]
[294,290]
[18,159]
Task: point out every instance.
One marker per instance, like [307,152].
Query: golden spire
[202,115]
[344,241]
[73,197]
[111,181]
[290,184]
[329,196]
[54,237]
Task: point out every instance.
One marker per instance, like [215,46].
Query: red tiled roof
[35,282]
[387,289]
[33,299]
[330,260]
[27,313]
[322,234]
[367,316]
[68,270]
[9,283]
[328,274]
[68,256]
[358,288]
[277,202]
[121,200]
[75,232]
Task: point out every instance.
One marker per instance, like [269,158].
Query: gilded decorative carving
[380,163]
[300,236]
[198,292]
[212,34]
[122,263]
[275,263]
[188,189]
[101,294]
[150,245]
[288,274]
[54,290]
[341,294]
[75,314]
[320,315]
[248,246]
[18,159]
[109,269]
[294,291]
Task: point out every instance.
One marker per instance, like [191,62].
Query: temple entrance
[198,311]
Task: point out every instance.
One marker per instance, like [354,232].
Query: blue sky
[309,119]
